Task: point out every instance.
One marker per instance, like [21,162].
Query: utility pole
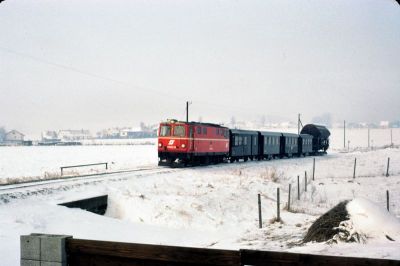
[368,137]
[391,137]
[187,112]
[344,134]
[299,124]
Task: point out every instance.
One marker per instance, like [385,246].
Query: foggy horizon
[98,64]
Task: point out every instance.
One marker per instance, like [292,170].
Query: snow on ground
[372,221]
[34,162]
[215,206]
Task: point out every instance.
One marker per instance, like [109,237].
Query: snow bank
[372,220]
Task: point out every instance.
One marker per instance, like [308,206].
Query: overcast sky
[96,64]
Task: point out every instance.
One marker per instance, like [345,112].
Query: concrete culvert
[324,228]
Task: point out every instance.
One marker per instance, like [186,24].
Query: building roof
[15,132]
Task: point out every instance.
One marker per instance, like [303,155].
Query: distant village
[77,137]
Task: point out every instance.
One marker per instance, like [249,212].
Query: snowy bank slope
[213,206]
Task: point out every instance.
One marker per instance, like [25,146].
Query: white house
[73,135]
[14,136]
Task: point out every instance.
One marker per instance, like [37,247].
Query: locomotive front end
[173,142]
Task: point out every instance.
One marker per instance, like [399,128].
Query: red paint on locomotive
[188,142]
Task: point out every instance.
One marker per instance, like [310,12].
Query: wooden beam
[140,253]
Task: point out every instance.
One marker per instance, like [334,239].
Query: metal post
[355,164]
[259,212]
[387,199]
[298,187]
[106,166]
[313,169]
[387,168]
[278,210]
[61,171]
[290,190]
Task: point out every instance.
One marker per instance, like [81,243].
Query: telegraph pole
[368,137]
[299,124]
[344,134]
[391,137]
[187,112]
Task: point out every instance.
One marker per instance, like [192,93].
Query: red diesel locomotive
[185,143]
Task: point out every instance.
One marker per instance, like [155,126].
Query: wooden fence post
[290,190]
[305,183]
[313,169]
[259,212]
[387,168]
[355,165]
[387,199]
[278,209]
[298,187]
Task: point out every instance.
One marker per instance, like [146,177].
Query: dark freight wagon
[243,145]
[289,144]
[269,144]
[305,144]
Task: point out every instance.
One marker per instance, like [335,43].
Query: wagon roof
[241,131]
[172,121]
[270,133]
[316,131]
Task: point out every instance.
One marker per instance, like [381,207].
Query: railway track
[35,187]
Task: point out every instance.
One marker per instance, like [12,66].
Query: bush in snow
[323,229]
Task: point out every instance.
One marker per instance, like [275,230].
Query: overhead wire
[238,109]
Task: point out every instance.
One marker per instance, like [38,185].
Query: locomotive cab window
[165,131]
[204,130]
[199,130]
[179,131]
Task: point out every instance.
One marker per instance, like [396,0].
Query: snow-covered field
[213,206]
[45,161]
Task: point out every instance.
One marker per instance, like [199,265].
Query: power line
[238,109]
[90,74]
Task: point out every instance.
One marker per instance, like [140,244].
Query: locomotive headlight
[183,145]
[160,144]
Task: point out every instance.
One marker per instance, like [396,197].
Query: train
[195,143]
